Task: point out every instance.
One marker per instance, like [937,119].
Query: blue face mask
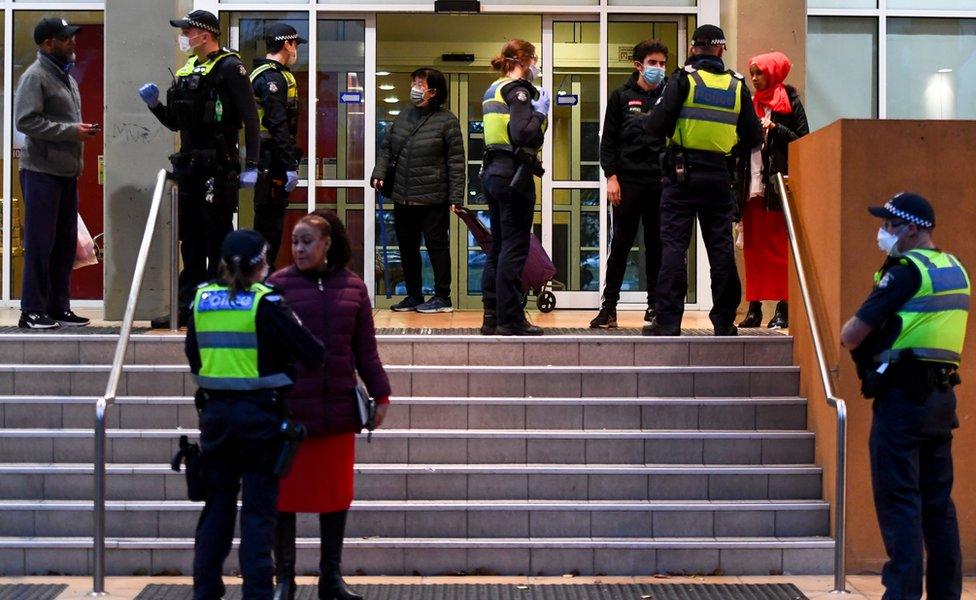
[653,75]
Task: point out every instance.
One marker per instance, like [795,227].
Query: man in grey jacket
[47,110]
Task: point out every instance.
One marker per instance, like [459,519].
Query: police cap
[708,35]
[244,246]
[282,32]
[907,206]
[200,19]
[53,27]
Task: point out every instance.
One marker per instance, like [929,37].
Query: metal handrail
[840,584]
[111,388]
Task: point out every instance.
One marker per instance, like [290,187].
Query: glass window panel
[576,122]
[341,99]
[624,35]
[576,238]
[86,283]
[932,4]
[251,46]
[653,2]
[937,54]
[843,81]
[845,3]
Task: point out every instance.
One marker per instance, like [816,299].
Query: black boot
[284,555]
[331,585]
[781,318]
[753,315]
[489,322]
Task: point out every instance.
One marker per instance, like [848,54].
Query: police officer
[515,118]
[631,163]
[276,93]
[241,343]
[906,340]
[705,112]
[208,102]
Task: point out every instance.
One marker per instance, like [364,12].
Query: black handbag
[390,178]
[365,410]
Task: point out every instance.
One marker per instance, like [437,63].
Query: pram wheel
[546,301]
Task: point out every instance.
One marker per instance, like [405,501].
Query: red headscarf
[775,66]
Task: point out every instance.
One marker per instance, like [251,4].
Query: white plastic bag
[85,250]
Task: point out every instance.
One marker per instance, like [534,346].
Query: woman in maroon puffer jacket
[333,304]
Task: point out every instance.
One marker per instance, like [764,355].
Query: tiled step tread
[612,434]
[436,400]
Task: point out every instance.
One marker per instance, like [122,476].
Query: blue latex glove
[150,94]
[249,178]
[292,182]
[542,104]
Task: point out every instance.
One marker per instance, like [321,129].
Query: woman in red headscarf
[763,224]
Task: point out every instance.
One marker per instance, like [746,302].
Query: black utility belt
[259,397]
[914,373]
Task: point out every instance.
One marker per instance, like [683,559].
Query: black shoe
[70,319]
[36,320]
[753,315]
[284,557]
[285,589]
[726,330]
[523,328]
[781,318]
[163,322]
[407,304]
[332,587]
[607,319]
[649,315]
[488,324]
[656,329]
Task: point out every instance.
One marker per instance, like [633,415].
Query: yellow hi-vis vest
[226,331]
[708,118]
[496,115]
[192,68]
[292,103]
[933,321]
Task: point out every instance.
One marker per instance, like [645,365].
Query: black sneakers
[70,319]
[655,329]
[649,315]
[488,323]
[523,328]
[36,320]
[606,319]
[407,304]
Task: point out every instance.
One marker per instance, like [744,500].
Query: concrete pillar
[136,146]
[756,26]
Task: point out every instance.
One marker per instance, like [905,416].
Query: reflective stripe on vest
[495,114]
[933,321]
[708,118]
[289,79]
[226,332]
[192,68]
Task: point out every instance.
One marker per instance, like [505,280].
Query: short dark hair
[646,47]
[274,46]
[435,81]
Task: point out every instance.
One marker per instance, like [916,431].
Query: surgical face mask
[417,95]
[533,73]
[186,44]
[653,75]
[293,58]
[888,242]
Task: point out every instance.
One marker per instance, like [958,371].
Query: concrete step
[73,481]
[450,518]
[440,380]
[413,556]
[437,349]
[450,412]
[487,446]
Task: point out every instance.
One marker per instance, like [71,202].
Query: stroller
[537,276]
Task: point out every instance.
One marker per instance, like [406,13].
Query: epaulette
[689,69]
[736,74]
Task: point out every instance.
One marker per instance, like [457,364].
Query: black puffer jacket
[431,167]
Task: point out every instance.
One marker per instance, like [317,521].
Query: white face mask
[888,242]
[185,44]
[417,95]
[533,73]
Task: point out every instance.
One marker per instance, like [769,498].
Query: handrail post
[112,387]
[840,482]
[174,261]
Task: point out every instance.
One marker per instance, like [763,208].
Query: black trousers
[203,223]
[270,207]
[433,222]
[239,445]
[640,203]
[511,213]
[911,474]
[708,198]
[50,240]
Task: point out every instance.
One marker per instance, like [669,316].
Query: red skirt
[765,250]
[321,478]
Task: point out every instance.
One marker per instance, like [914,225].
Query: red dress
[765,249]
[321,478]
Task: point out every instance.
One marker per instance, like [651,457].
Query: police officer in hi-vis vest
[276,93]
[906,340]
[515,118]
[241,342]
[705,112]
[208,103]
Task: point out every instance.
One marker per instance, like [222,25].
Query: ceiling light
[394,113]
[386,87]
[382,73]
[945,70]
[391,99]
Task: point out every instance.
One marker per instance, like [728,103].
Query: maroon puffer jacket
[334,305]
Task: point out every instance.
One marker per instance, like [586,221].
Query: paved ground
[816,588]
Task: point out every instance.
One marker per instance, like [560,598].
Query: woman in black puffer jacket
[426,145]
